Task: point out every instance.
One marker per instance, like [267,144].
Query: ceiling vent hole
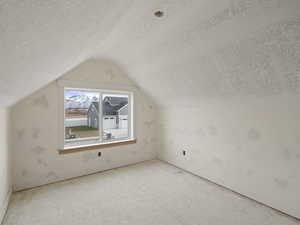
[159,13]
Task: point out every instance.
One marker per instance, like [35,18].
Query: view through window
[95,116]
[79,105]
[115,116]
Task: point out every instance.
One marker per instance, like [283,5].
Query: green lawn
[84,131]
[83,128]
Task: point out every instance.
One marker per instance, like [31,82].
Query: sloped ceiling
[199,48]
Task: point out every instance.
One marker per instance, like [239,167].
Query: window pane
[115,116]
[81,114]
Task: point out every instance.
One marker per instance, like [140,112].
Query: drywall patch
[52,175]
[287,154]
[281,183]
[153,139]
[149,124]
[250,173]
[253,134]
[134,152]
[24,173]
[41,102]
[86,157]
[38,150]
[42,162]
[21,133]
[217,161]
[146,142]
[200,132]
[181,131]
[212,130]
[170,142]
[110,74]
[108,161]
[293,81]
[292,176]
[179,172]
[35,133]
[238,148]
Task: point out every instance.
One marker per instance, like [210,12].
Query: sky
[69,93]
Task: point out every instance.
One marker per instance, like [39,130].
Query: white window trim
[66,84]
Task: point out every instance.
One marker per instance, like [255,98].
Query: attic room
[163,112]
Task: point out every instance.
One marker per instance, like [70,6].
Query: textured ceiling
[199,48]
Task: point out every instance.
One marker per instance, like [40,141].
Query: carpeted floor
[149,193]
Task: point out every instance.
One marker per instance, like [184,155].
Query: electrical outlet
[99,154]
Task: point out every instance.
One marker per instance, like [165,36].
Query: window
[96,117]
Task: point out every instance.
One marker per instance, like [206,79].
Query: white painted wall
[5,175]
[35,135]
[249,144]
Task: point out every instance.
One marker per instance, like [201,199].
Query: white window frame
[82,142]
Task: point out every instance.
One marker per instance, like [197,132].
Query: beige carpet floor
[149,193]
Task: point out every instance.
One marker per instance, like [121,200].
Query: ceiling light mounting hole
[159,13]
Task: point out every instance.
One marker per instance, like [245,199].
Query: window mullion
[100,118]
[129,128]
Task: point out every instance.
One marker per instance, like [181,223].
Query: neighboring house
[75,122]
[123,117]
[93,115]
[123,110]
[115,113]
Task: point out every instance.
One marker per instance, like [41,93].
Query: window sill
[74,149]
